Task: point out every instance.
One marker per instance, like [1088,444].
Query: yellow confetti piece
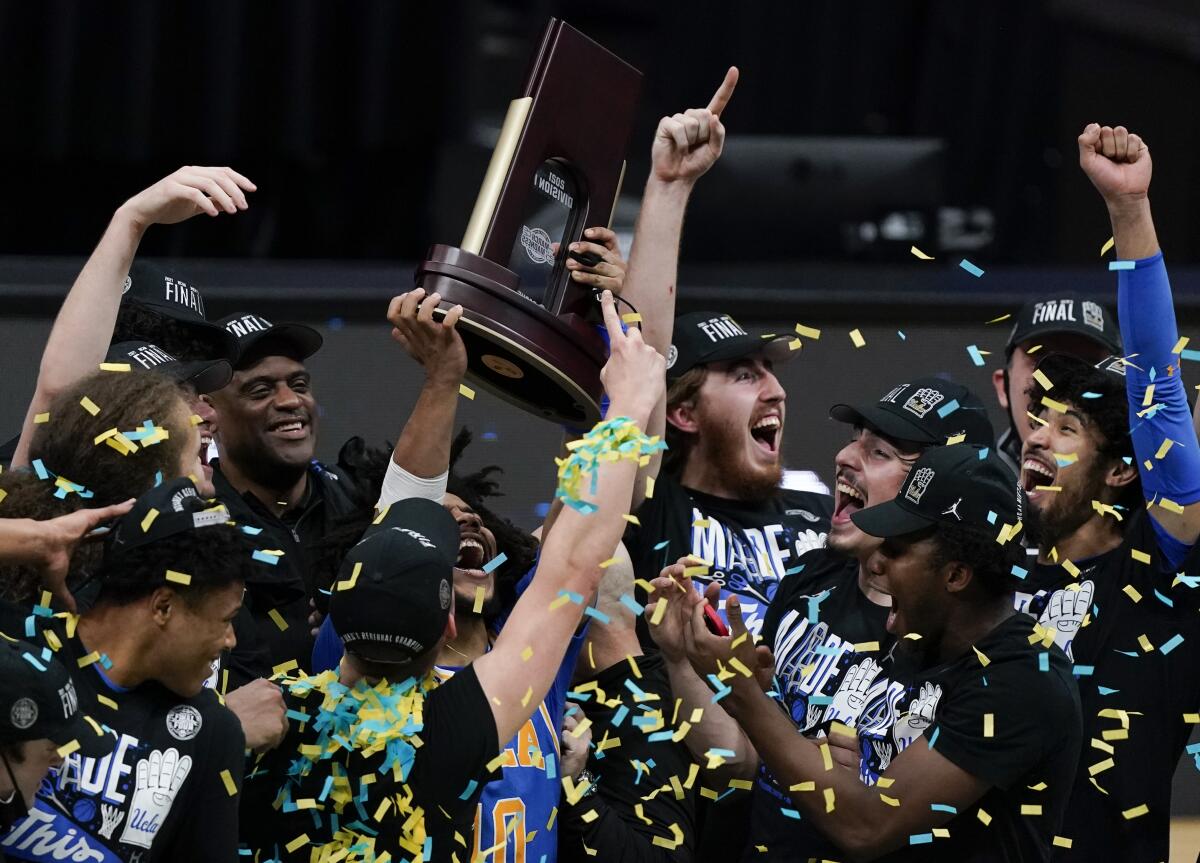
[1170,505]
[829,800]
[1101,766]
[1191,718]
[633,666]
[1164,448]
[149,519]
[1148,399]
[1146,646]
[1071,568]
[999,319]
[989,729]
[230,785]
[559,602]
[632,519]
[984,817]
[1135,812]
[807,332]
[107,702]
[1139,556]
[659,610]
[278,620]
[857,338]
[115,367]
[795,345]
[953,439]
[297,843]
[285,667]
[803,786]
[41,418]
[826,756]
[673,842]
[348,583]
[67,748]
[649,487]
[479,597]
[1066,458]
[525,698]
[466,392]
[1180,345]
[918,253]
[1108,244]
[890,801]
[885,782]
[85,661]
[631,318]
[89,406]
[866,647]
[178,577]
[1058,407]
[1132,592]
[52,639]
[1061,842]
[1053,488]
[702,523]
[1036,419]
[1031,809]
[1041,377]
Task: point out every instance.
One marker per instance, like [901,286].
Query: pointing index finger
[721,98]
[611,322]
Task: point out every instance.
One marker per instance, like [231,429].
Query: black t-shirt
[163,793]
[448,769]
[832,662]
[1138,666]
[751,545]
[617,832]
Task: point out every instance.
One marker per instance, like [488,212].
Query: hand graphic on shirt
[1065,613]
[851,696]
[919,717]
[110,819]
[159,779]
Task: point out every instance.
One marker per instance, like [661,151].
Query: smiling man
[267,475]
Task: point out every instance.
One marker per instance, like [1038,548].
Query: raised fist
[1116,161]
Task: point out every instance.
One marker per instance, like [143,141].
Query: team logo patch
[1116,365]
[24,713]
[1093,315]
[536,243]
[128,284]
[672,355]
[184,721]
[444,594]
[923,401]
[920,482]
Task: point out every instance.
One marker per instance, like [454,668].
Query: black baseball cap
[294,340]
[395,588]
[966,486]
[38,701]
[1068,313]
[206,376]
[165,511]
[174,298]
[929,410]
[710,337]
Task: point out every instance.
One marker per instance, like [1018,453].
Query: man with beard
[1065,323]
[991,781]
[826,623]
[1112,468]
[267,475]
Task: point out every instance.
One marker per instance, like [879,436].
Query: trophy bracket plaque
[557,168]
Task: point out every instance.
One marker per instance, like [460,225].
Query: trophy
[556,170]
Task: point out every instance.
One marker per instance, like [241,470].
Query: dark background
[367,125]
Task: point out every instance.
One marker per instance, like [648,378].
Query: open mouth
[847,500]
[766,432]
[473,555]
[291,428]
[1036,472]
[205,447]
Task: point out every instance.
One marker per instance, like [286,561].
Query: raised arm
[421,459]
[518,672]
[84,325]
[1119,166]
[685,146]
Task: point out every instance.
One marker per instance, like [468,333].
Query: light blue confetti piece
[597,614]
[983,453]
[619,716]
[427,848]
[1019,572]
[1132,653]
[933,737]
[1165,600]
[469,790]
[948,408]
[552,766]
[722,753]
[660,736]
[32,660]
[814,606]
[1192,581]
[581,506]
[1083,670]
[252,531]
[1190,355]
[1092,395]
[1193,749]
[971,268]
[662,545]
[1122,265]
[495,562]
[991,517]
[790,813]
[903,337]
[1105,690]
[30,627]
[40,469]
[720,693]
[298,716]
[638,694]
[1043,661]
[576,598]
[794,570]
[105,662]
[633,605]
[943,807]
[821,700]
[1153,373]
[262,557]
[976,356]
[1171,643]
[920,839]
[1063,462]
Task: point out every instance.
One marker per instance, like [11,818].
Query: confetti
[989,729]
[1121,265]
[1061,842]
[1180,345]
[857,338]
[495,562]
[631,318]
[115,367]
[480,595]
[263,555]
[149,519]
[41,418]
[1136,811]
[971,268]
[466,392]
[230,786]
[1042,379]
[808,332]
[278,620]
[918,253]
[976,354]
[178,577]
[1108,244]
[67,748]
[89,406]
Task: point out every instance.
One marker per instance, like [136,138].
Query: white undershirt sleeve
[399,484]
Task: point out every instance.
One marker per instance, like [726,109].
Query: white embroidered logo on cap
[923,401]
[893,394]
[953,509]
[128,284]
[69,700]
[1093,315]
[719,329]
[180,496]
[672,355]
[444,594]
[921,479]
[24,713]
[247,324]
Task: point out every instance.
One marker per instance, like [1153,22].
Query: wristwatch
[591,779]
